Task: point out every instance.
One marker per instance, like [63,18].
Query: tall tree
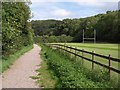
[16,30]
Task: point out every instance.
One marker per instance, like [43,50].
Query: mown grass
[71,74]
[104,49]
[7,61]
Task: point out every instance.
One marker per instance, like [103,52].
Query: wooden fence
[93,54]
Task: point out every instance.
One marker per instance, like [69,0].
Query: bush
[53,39]
[16,30]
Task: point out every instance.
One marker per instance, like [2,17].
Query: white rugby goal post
[92,38]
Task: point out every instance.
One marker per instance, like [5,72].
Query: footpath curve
[19,74]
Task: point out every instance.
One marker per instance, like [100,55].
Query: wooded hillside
[106,26]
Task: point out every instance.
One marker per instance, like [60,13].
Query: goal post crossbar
[93,38]
[88,38]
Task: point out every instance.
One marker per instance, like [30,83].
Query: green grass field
[103,49]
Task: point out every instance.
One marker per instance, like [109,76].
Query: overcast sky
[61,9]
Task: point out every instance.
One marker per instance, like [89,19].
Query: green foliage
[44,27]
[106,26]
[45,77]
[52,39]
[16,30]
[72,74]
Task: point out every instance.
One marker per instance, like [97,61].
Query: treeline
[106,26]
[51,39]
[16,29]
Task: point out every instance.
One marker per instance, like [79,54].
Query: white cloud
[51,9]
[61,13]
[87,1]
[45,0]
[94,3]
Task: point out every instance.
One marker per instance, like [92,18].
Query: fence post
[75,53]
[70,53]
[93,58]
[60,48]
[82,56]
[64,49]
[49,45]
[109,63]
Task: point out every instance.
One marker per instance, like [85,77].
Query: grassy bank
[7,61]
[69,73]
[45,77]
[99,48]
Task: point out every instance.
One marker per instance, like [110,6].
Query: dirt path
[18,76]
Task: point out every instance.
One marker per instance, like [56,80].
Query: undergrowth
[70,73]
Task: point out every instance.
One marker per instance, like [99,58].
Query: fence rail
[109,58]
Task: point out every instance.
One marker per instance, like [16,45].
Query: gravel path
[18,76]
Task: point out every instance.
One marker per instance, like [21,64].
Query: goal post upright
[94,36]
[83,35]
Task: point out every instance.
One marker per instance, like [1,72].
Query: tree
[106,26]
[16,30]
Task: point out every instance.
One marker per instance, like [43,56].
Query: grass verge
[7,61]
[45,77]
[69,73]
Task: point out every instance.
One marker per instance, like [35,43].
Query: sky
[61,9]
